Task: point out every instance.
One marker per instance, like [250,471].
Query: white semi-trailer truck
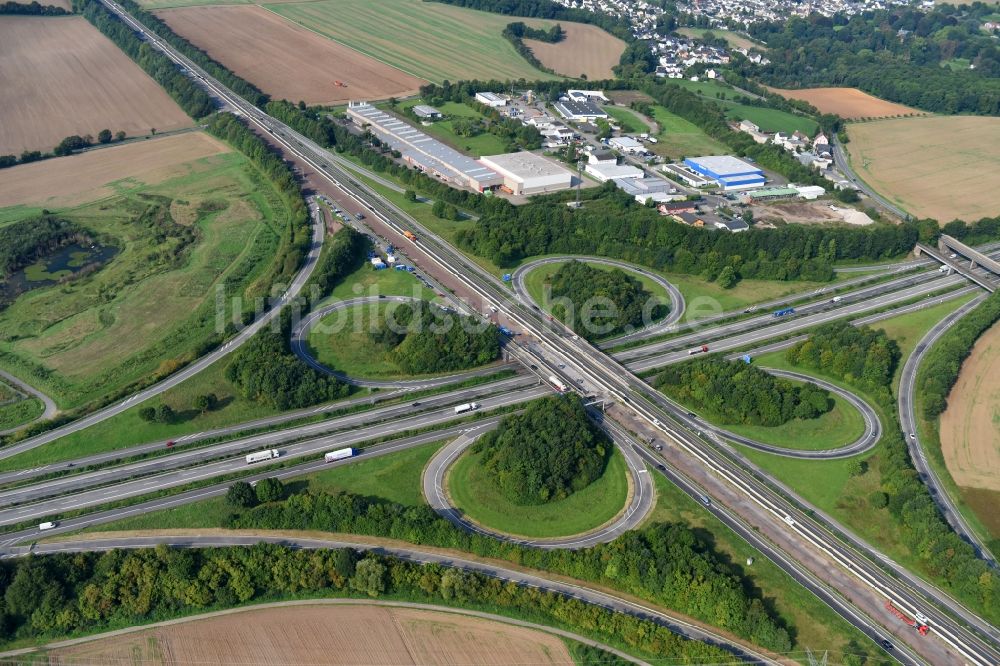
[467,407]
[261,456]
[339,454]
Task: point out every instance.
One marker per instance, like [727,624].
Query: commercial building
[587,95]
[606,172]
[768,194]
[585,111]
[427,154]
[729,172]
[646,189]
[809,191]
[424,111]
[528,173]
[626,144]
[602,156]
[491,99]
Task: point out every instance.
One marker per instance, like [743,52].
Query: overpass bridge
[948,258]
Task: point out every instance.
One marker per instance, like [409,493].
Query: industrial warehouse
[730,173]
[528,173]
[427,154]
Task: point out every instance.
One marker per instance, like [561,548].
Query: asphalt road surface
[50,405]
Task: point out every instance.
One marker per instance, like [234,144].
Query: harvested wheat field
[970,427]
[95,174]
[61,77]
[942,167]
[362,634]
[286,60]
[586,50]
[848,103]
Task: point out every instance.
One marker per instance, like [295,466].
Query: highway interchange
[846,573]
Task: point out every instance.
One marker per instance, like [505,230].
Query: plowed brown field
[60,76]
[355,635]
[849,103]
[970,427]
[286,60]
[67,181]
[586,50]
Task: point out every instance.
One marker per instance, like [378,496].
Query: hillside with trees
[739,393]
[546,453]
[423,338]
[579,289]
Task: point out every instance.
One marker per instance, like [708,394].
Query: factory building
[528,173]
[729,172]
[427,154]
[491,99]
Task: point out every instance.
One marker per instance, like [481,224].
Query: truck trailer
[339,454]
[558,384]
[467,407]
[261,456]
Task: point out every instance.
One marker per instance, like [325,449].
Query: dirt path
[970,427]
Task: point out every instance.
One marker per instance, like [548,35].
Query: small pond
[61,264]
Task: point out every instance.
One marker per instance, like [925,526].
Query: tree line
[32,8]
[943,362]
[577,284]
[240,86]
[900,54]
[545,453]
[517,32]
[195,101]
[343,254]
[423,338]
[859,355]
[546,9]
[740,393]
[665,563]
[941,553]
[67,146]
[612,224]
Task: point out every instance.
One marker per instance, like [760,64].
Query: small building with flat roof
[427,112]
[606,172]
[528,173]
[626,144]
[491,99]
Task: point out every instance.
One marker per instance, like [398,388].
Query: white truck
[261,456]
[467,407]
[339,454]
[557,384]
[47,525]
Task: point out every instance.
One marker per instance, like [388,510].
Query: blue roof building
[729,172]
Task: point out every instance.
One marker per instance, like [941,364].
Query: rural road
[642,501]
[591,595]
[327,602]
[300,347]
[844,163]
[664,325]
[908,418]
[195,367]
[50,405]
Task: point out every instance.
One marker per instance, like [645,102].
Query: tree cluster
[56,595]
[743,394]
[32,8]
[898,54]
[265,371]
[576,285]
[67,146]
[517,32]
[858,355]
[546,453]
[24,242]
[940,368]
[612,224]
[423,338]
[664,563]
[547,9]
[342,255]
[188,95]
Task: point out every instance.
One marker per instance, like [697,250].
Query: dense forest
[56,595]
[739,393]
[939,370]
[423,338]
[665,563]
[597,303]
[914,57]
[23,242]
[612,224]
[545,453]
[188,95]
[864,357]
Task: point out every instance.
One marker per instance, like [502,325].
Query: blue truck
[783,312]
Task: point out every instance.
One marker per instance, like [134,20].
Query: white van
[47,526]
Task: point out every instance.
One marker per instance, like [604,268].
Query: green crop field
[582,511]
[680,138]
[150,307]
[429,40]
